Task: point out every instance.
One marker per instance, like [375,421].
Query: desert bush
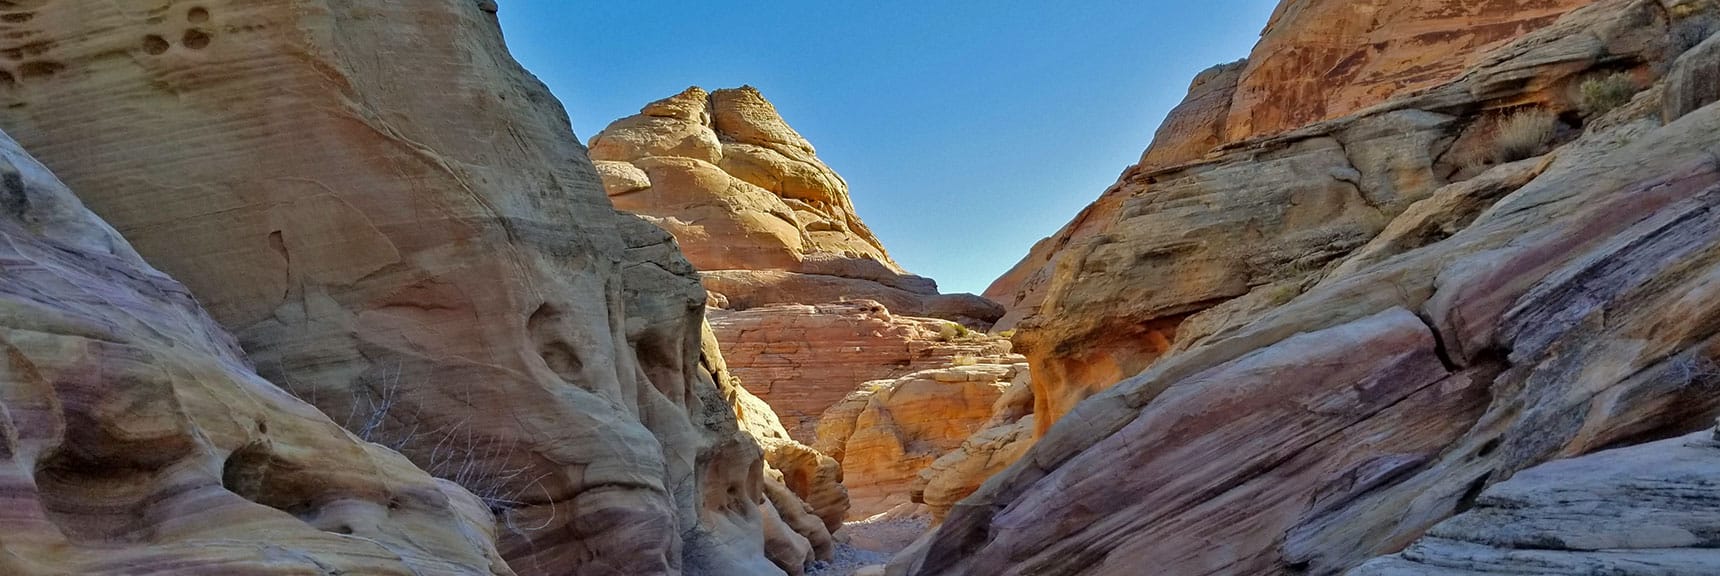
[1523,134]
[951,331]
[1601,94]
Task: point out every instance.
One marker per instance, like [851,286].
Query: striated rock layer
[888,433]
[135,437]
[756,211]
[399,226]
[1349,332]
[803,359]
[1637,511]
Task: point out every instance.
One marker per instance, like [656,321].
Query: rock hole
[1488,448]
[197,15]
[262,427]
[196,39]
[1471,493]
[155,44]
[7,79]
[12,53]
[18,17]
[40,69]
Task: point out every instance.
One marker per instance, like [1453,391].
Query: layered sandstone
[803,359]
[137,438]
[1219,216]
[1339,337]
[398,225]
[755,210]
[887,432]
[1637,511]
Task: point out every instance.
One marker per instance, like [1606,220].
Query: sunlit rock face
[136,438]
[398,225]
[887,433]
[756,211]
[1237,191]
[1333,340]
[803,359]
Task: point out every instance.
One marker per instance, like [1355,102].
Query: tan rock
[887,432]
[803,359]
[1091,304]
[389,213]
[1322,59]
[754,208]
[1000,441]
[1549,310]
[137,439]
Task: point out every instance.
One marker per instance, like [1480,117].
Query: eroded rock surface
[756,211]
[135,437]
[803,359]
[1637,511]
[398,225]
[887,432]
[1308,405]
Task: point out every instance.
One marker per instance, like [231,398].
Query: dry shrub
[1598,95]
[1523,134]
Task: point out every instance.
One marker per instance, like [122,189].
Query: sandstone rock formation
[1351,330]
[398,225]
[1000,441]
[803,359]
[135,438]
[1637,511]
[755,210]
[1259,216]
[1321,59]
[888,431]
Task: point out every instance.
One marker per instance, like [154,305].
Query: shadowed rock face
[135,437]
[1647,509]
[398,225]
[763,219]
[1345,334]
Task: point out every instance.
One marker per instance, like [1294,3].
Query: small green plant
[1283,293]
[951,332]
[1598,95]
[1007,334]
[964,360]
[1523,134]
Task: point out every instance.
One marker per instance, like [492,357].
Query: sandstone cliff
[1351,330]
[135,437]
[803,359]
[398,225]
[755,210]
[806,302]
[887,433]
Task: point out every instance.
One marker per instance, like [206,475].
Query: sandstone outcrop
[135,437]
[755,210]
[1637,511]
[1183,233]
[888,431]
[1380,328]
[1000,441]
[399,226]
[803,359]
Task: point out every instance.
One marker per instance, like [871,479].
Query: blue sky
[966,130]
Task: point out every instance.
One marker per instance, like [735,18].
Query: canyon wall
[755,210]
[1191,216]
[1334,338]
[135,437]
[807,304]
[398,225]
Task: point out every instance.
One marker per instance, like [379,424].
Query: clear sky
[967,130]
